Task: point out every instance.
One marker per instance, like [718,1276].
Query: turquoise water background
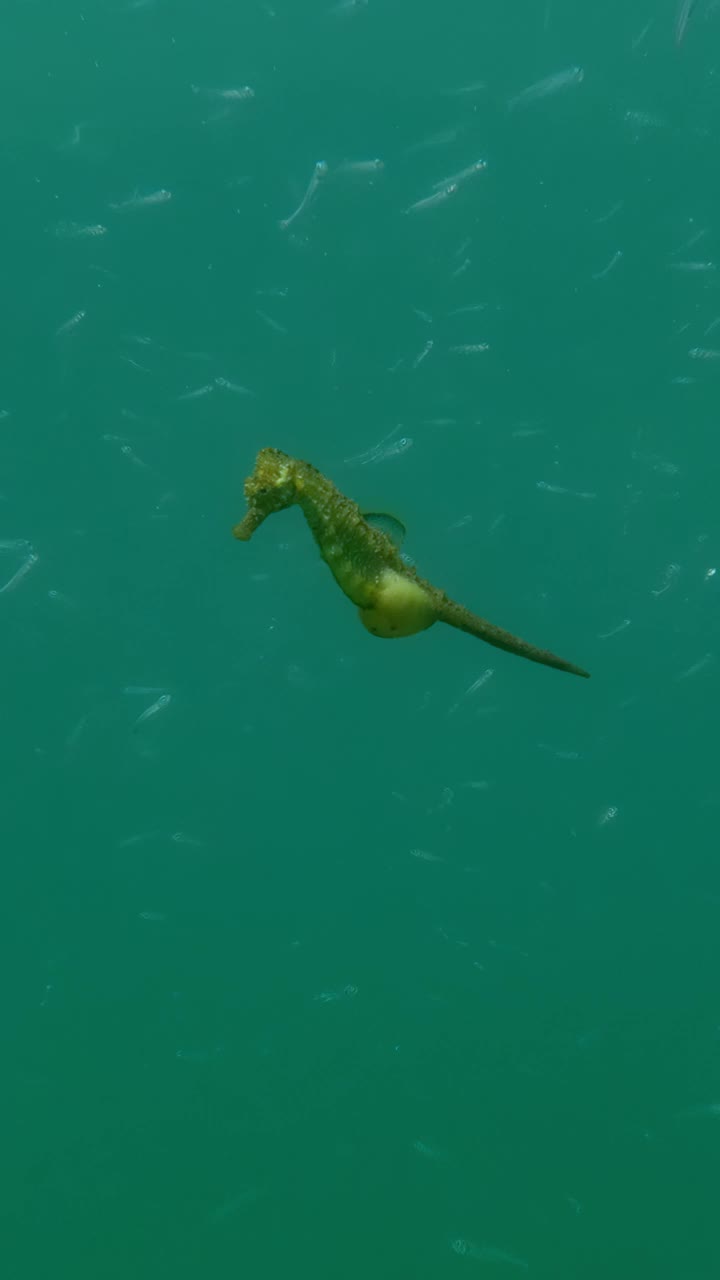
[335,965]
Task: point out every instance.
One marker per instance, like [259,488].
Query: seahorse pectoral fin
[393,528]
[456,616]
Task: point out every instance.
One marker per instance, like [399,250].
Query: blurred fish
[163,701]
[544,88]
[683,17]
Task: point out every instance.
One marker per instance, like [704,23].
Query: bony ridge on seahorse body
[391,598]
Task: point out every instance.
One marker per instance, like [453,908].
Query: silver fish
[545,88]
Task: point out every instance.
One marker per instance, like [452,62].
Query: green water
[248,1029]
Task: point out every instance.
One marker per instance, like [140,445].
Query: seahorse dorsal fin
[389,525]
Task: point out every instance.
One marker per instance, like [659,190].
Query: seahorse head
[271,487]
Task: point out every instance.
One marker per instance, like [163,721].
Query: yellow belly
[400,608]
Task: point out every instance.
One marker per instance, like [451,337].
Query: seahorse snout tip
[247,526]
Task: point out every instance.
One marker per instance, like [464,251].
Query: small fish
[388,447]
[198,1056]
[467,90]
[616,258]
[622,626]
[360,168]
[475,687]
[79,231]
[682,19]
[441,139]
[487,1253]
[163,701]
[70,325]
[136,201]
[545,88]
[319,174]
[271,323]
[20,573]
[693,267]
[423,856]
[479,166]
[198,392]
[422,355]
[234,387]
[432,201]
[243,94]
[697,667]
[472,307]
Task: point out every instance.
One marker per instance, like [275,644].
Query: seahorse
[392,599]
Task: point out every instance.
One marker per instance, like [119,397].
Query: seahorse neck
[317,498]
